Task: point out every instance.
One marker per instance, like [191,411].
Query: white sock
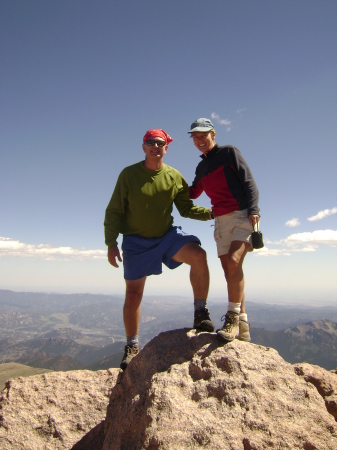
[243,316]
[234,307]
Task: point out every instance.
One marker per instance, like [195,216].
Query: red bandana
[158,133]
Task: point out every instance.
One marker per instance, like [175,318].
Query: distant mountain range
[312,342]
[77,331]
[57,353]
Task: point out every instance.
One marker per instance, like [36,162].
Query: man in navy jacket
[225,177]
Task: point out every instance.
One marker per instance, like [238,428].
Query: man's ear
[143,147]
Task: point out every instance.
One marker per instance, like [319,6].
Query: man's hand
[254,219]
[113,253]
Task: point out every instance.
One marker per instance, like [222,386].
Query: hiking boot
[129,353]
[230,328]
[244,334]
[202,320]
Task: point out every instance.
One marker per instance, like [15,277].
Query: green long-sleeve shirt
[142,203]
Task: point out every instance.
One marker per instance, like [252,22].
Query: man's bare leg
[131,310]
[193,255]
[131,316]
[243,307]
[232,264]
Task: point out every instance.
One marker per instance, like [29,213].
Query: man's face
[204,141]
[155,148]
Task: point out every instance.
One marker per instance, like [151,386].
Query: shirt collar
[210,153]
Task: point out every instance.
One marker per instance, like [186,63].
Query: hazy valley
[77,331]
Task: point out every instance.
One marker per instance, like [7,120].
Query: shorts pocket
[217,233]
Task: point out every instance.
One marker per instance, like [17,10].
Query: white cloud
[317,237]
[10,247]
[321,214]
[294,222]
[266,251]
[225,122]
[299,243]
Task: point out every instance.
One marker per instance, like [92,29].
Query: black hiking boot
[129,353]
[202,320]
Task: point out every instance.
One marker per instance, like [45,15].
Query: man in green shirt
[141,209]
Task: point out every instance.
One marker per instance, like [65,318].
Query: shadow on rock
[92,440]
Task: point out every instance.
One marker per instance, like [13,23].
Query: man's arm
[186,207]
[196,188]
[247,180]
[113,221]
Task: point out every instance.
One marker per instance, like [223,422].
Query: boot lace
[229,322]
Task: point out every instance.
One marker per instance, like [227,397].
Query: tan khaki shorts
[232,227]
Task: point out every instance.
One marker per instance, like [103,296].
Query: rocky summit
[185,390]
[54,410]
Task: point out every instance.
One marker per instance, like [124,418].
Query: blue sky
[82,81]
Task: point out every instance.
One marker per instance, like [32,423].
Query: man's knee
[234,265]
[133,293]
[191,254]
[198,249]
[199,254]
[134,290]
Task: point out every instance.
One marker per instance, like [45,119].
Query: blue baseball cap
[201,125]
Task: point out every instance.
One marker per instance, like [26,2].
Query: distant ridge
[312,342]
[89,329]
[33,352]
[59,363]
[112,361]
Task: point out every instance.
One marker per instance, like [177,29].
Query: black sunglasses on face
[151,143]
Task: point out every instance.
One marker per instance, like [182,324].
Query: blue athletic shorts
[144,256]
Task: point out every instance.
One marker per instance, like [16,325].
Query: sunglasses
[151,143]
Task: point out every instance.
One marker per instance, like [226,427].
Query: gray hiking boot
[230,328]
[244,334]
[129,353]
[202,320]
